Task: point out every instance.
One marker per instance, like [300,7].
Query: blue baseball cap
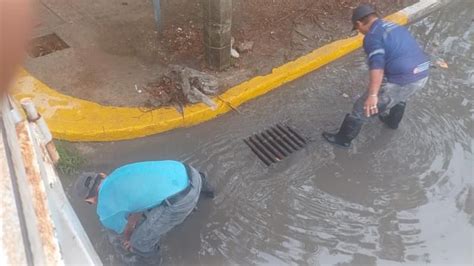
[360,12]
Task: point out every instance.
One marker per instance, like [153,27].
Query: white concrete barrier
[46,229]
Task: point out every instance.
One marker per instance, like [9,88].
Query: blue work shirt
[391,47]
[137,187]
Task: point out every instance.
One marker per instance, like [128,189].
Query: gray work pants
[390,94]
[161,219]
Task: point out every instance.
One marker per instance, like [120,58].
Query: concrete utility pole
[217,32]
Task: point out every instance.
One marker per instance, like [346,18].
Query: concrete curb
[74,119]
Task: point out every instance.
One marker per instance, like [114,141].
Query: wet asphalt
[397,197]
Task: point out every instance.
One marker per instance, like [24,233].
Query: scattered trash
[245,46]
[233,52]
[163,93]
[441,63]
[195,85]
[180,86]
[345,95]
[183,39]
[137,89]
[229,104]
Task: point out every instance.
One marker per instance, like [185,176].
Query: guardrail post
[34,117]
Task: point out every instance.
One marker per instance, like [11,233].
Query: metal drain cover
[45,45]
[275,143]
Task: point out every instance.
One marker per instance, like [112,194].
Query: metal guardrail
[38,225]
[12,251]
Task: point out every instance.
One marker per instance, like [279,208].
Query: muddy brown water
[396,197]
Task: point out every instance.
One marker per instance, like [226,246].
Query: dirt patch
[163,92]
[183,40]
[280,32]
[116,47]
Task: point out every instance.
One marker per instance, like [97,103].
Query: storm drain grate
[275,143]
[45,45]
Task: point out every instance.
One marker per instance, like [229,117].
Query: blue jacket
[137,187]
[391,47]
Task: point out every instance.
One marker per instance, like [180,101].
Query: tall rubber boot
[206,189]
[392,120]
[350,128]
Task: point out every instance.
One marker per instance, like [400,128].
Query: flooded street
[404,196]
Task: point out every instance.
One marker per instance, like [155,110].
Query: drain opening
[275,143]
[45,45]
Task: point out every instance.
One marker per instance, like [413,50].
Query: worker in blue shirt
[142,201]
[398,68]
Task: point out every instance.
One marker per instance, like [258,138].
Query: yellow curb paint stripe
[74,119]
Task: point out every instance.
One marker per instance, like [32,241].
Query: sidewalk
[112,48]
[90,70]
[115,46]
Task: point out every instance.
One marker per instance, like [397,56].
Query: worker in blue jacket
[142,201]
[398,68]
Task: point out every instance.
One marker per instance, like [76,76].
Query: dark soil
[282,30]
[183,40]
[117,48]
[164,92]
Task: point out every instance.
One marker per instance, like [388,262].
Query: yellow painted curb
[73,119]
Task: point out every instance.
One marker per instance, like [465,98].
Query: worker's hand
[370,106]
[126,245]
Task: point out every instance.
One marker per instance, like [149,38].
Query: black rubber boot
[350,128]
[206,188]
[392,120]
